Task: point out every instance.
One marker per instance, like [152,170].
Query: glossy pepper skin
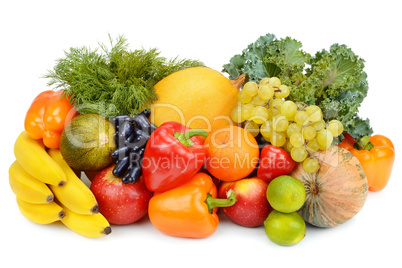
[170,158]
[47,116]
[274,162]
[376,154]
[184,212]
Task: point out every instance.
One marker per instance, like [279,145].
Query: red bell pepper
[174,153]
[274,161]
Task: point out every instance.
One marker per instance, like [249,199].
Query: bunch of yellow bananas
[48,190]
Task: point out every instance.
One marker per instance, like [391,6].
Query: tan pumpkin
[336,192]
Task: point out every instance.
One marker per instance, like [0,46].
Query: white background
[35,33]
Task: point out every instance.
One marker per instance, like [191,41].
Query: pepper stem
[364,144]
[221,202]
[185,138]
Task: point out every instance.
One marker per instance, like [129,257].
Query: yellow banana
[41,213]
[94,225]
[74,195]
[32,156]
[26,187]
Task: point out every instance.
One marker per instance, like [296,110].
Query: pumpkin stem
[314,189]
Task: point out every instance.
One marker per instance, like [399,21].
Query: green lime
[286,194]
[285,229]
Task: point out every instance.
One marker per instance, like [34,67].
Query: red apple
[120,203]
[251,208]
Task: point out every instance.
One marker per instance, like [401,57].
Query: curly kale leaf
[360,128]
[338,69]
[268,57]
[330,73]
[286,60]
[235,66]
[250,61]
[345,107]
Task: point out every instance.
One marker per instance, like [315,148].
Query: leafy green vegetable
[113,81]
[334,80]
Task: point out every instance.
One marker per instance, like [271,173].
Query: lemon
[286,194]
[285,229]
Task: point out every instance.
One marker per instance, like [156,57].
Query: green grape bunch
[294,126]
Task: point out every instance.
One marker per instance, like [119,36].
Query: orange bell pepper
[47,116]
[190,209]
[376,154]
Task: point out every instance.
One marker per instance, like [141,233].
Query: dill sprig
[112,81]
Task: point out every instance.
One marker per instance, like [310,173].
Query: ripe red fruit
[274,162]
[118,202]
[252,207]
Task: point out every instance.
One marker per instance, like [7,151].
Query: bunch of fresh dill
[112,81]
